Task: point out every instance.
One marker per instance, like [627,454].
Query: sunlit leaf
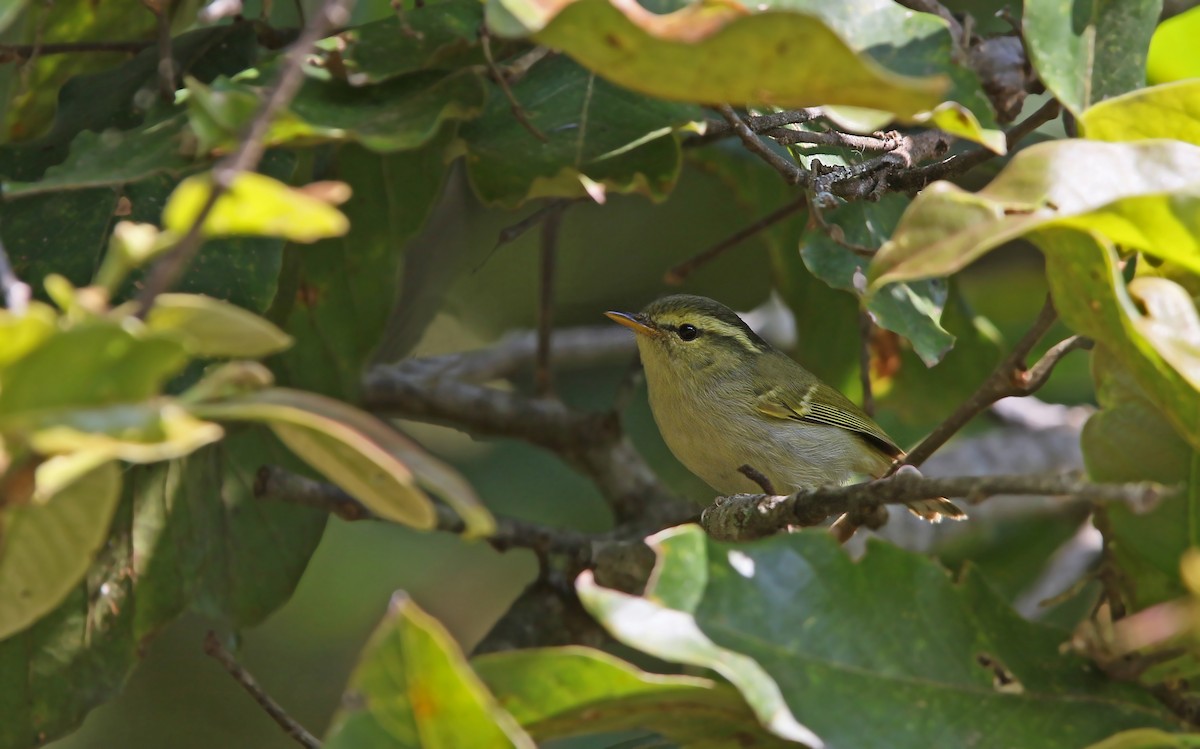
[1171,110]
[89,365]
[21,333]
[715,51]
[1173,55]
[982,676]
[1144,195]
[46,547]
[1148,738]
[254,205]
[213,328]
[556,692]
[1088,51]
[413,687]
[364,456]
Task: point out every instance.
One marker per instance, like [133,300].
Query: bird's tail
[934,510]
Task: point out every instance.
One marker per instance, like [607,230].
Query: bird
[724,398]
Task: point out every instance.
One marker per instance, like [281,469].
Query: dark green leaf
[439,36]
[337,294]
[598,133]
[911,310]
[413,688]
[555,692]
[857,649]
[1086,51]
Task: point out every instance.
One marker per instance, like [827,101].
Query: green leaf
[52,673]
[398,115]
[1173,56]
[1089,294]
[115,157]
[914,44]
[913,310]
[335,296]
[557,692]
[714,52]
[1171,110]
[45,547]
[889,640]
[439,36]
[253,205]
[598,134]
[90,365]
[1086,51]
[211,328]
[360,453]
[1169,323]
[1129,439]
[1144,195]
[21,333]
[413,688]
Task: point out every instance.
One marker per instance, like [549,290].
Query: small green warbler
[723,398]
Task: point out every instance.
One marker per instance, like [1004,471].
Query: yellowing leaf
[213,328]
[715,51]
[1171,110]
[255,205]
[46,548]
[957,120]
[1144,195]
[1170,324]
[360,453]
[21,333]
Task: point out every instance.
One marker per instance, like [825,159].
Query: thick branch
[443,390]
[170,267]
[744,517]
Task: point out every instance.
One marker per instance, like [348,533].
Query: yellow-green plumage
[723,398]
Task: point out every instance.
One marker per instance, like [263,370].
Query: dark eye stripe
[688,332]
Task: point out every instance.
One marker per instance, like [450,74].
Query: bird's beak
[635,322]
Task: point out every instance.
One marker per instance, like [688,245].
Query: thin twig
[959,163]
[680,272]
[715,130]
[1010,378]
[785,137]
[744,517]
[16,292]
[17,52]
[543,375]
[935,8]
[512,232]
[166,63]
[518,111]
[835,232]
[170,267]
[214,648]
[866,327]
[792,172]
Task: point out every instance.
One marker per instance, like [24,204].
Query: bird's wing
[818,403]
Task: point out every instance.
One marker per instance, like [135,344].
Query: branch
[497,75]
[745,517]
[680,272]
[19,52]
[1010,378]
[165,272]
[543,374]
[445,390]
[213,647]
[866,327]
[15,291]
[275,483]
[792,172]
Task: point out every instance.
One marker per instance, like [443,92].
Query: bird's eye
[688,332]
